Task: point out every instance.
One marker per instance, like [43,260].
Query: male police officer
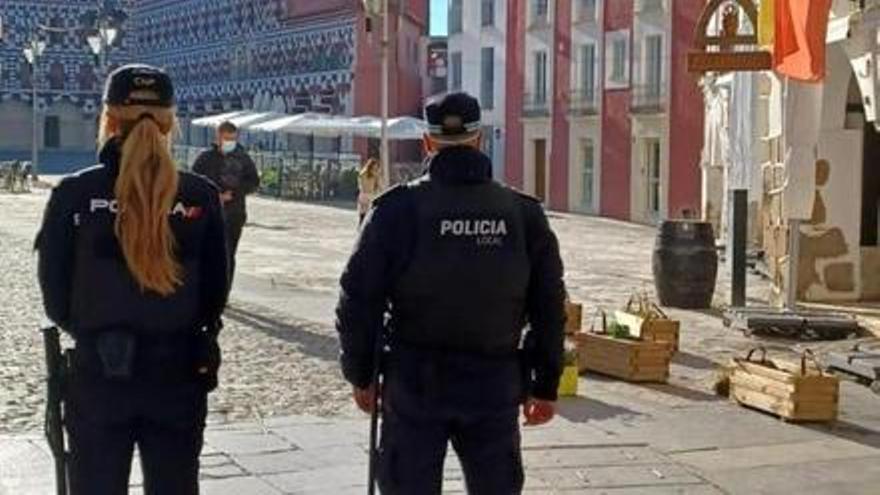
[462,264]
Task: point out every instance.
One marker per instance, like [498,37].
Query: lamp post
[101,40]
[384,148]
[32,53]
[379,8]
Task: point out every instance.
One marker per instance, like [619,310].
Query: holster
[116,351]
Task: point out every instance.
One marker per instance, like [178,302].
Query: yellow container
[568,382]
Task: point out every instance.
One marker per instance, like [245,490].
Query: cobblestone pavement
[279,343]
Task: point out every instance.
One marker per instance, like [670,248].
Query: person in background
[369,187]
[230,167]
[129,267]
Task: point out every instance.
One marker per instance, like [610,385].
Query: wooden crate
[630,360]
[650,329]
[791,391]
[574,314]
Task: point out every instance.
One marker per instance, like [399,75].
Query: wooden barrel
[685,264]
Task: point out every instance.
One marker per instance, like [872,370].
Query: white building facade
[477,52]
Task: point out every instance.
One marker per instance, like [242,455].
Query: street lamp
[101,40]
[379,8]
[32,53]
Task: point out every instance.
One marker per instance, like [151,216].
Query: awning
[246,119]
[399,128]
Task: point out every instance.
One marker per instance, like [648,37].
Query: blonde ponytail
[145,189]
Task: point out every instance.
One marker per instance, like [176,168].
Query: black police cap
[139,85]
[456,115]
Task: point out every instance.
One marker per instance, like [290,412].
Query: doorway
[588,176]
[541,169]
[871,188]
[652,170]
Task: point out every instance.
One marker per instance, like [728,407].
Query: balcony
[649,99]
[536,105]
[582,102]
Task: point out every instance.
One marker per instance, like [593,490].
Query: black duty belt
[126,356]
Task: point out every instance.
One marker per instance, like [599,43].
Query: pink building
[593,91]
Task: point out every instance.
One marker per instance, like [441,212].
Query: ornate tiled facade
[223,54]
[67,71]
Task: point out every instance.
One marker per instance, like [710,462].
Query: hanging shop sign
[732,48]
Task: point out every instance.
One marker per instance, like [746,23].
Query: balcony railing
[583,102]
[649,98]
[536,105]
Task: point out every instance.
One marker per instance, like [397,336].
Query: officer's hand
[365,398]
[538,412]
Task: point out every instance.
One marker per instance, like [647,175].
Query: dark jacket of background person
[372,279]
[234,172]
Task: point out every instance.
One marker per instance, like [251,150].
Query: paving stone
[849,477]
[303,460]
[326,435]
[247,441]
[602,477]
[238,486]
[598,456]
[776,455]
[323,480]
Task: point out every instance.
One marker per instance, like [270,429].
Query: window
[52,132]
[654,64]
[540,77]
[540,11]
[617,59]
[586,10]
[456,71]
[455,16]
[588,71]
[487,13]
[487,79]
[588,177]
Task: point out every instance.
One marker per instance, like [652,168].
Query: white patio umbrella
[215,120]
[406,128]
[292,124]
[321,125]
[243,119]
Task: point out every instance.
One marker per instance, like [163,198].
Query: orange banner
[799,47]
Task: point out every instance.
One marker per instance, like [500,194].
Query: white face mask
[228,146]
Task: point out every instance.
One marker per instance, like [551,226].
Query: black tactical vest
[465,286]
[105,295]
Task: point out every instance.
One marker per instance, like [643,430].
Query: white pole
[383,149]
[794,225]
[34,78]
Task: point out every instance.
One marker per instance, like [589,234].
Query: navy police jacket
[461,264]
[83,275]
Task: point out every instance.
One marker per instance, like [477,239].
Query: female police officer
[133,265]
